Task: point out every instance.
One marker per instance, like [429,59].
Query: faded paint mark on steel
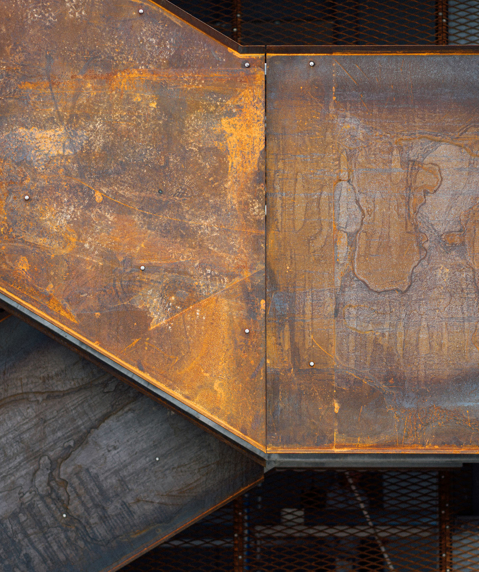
[372,254]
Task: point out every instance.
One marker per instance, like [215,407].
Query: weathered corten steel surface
[92,472]
[373,255]
[139,142]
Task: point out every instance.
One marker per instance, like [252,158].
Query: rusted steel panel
[92,472]
[138,141]
[373,211]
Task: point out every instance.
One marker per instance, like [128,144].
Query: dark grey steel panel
[92,472]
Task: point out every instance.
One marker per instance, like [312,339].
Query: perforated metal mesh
[466,545]
[313,520]
[463,18]
[341,22]
[465,525]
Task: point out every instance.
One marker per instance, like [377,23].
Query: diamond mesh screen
[465,525]
[316,520]
[466,545]
[346,22]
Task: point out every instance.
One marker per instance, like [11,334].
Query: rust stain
[149,154]
[372,255]
[244,133]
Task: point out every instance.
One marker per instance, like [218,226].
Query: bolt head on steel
[246,331]
[27,198]
[311,364]
[142,268]
[247,64]
[312,64]
[140,11]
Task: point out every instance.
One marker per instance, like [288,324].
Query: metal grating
[317,520]
[341,22]
[465,520]
[466,546]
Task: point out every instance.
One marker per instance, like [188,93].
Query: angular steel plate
[131,196]
[92,472]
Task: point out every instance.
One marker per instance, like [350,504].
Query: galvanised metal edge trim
[346,50]
[368,461]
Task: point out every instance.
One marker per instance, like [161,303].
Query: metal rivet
[27,197]
[312,64]
[142,268]
[311,363]
[247,64]
[140,11]
[246,331]
[64,516]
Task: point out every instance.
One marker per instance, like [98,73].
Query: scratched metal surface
[373,256]
[139,141]
[93,472]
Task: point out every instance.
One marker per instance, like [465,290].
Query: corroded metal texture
[131,195]
[92,472]
[373,214]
